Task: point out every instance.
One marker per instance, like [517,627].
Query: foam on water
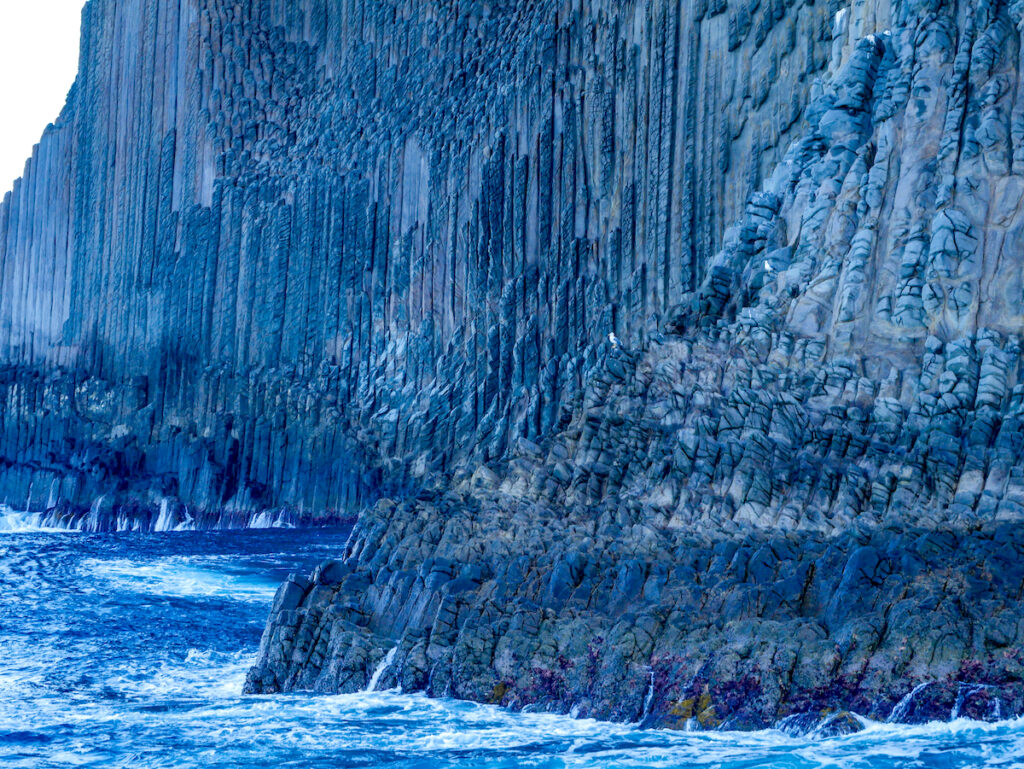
[167,520]
[17,522]
[266,520]
[202,674]
[132,651]
[182,576]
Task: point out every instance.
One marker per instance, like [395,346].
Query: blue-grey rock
[598,292]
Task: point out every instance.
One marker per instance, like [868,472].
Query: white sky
[38,63]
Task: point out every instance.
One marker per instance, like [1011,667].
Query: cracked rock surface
[293,254]
[610,616]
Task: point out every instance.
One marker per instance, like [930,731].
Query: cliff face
[603,287]
[803,494]
[284,254]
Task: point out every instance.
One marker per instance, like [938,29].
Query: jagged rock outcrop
[609,615]
[305,255]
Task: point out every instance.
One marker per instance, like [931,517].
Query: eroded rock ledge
[610,616]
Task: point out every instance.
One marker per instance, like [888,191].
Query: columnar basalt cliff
[289,254]
[282,255]
[685,336]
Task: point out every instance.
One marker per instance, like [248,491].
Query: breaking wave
[168,519]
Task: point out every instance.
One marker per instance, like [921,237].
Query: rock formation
[608,615]
[685,336]
[286,255]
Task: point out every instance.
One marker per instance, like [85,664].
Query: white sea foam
[268,520]
[205,709]
[167,520]
[18,522]
[180,576]
[202,674]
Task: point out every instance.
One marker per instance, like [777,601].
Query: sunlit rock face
[642,278]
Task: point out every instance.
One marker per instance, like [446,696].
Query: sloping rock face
[802,495]
[690,332]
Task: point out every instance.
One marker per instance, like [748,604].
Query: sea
[131,649]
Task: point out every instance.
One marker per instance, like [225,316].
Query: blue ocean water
[130,650]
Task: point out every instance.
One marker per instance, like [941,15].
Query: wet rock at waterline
[607,615]
[147,639]
[692,331]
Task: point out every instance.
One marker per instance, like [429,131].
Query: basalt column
[289,255]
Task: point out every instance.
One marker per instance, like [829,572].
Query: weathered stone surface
[801,496]
[606,614]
